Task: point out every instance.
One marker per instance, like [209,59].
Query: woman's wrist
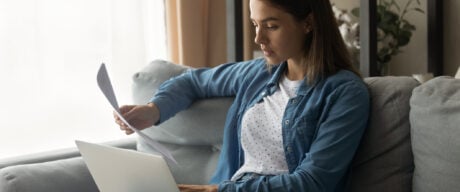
[156,112]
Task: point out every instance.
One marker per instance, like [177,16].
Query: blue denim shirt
[321,127]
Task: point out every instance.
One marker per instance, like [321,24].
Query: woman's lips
[267,52]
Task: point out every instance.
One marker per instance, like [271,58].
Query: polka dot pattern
[261,133]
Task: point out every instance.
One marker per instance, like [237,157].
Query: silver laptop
[121,170]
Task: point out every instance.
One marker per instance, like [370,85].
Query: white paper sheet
[104,84]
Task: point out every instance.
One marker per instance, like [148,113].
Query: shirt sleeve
[179,92]
[341,126]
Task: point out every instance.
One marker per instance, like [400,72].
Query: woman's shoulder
[344,78]
[248,67]
[257,63]
[344,75]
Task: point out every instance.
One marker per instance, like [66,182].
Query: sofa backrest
[384,160]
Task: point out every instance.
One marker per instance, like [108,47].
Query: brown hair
[325,50]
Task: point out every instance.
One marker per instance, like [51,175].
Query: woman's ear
[308,23]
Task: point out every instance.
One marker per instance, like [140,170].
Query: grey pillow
[435,121]
[383,161]
[70,175]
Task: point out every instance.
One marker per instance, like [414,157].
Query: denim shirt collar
[278,71]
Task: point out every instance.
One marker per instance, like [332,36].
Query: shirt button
[294,101]
[289,149]
[286,122]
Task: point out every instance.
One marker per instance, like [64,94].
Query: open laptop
[120,170]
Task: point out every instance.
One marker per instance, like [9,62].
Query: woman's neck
[294,71]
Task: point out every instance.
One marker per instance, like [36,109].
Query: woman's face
[280,36]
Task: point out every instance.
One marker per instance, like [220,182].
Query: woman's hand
[198,188]
[138,116]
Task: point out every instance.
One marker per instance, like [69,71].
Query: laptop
[120,170]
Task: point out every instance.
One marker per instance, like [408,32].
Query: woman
[298,114]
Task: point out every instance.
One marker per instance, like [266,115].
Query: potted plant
[394,31]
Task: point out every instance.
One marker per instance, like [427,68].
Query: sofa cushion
[383,161]
[70,175]
[435,122]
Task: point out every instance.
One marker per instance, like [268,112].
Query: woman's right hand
[138,116]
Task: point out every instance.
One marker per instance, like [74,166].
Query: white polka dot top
[261,136]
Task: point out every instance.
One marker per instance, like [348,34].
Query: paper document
[106,87]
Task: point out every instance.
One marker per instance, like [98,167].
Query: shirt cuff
[226,186]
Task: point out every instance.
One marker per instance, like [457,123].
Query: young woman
[299,112]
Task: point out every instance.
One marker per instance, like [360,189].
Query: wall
[451,36]
[414,57]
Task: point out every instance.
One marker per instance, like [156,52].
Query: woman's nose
[260,38]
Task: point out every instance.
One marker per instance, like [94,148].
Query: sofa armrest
[69,175]
[60,154]
[60,170]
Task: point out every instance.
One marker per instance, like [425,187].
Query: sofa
[412,141]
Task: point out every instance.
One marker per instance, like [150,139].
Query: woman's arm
[178,93]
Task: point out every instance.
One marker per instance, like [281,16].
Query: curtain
[196,32]
[50,51]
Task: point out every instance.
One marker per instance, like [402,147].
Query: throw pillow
[435,130]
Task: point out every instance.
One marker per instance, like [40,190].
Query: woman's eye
[272,27]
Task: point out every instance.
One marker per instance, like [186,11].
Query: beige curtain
[196,32]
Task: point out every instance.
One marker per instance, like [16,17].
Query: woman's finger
[128,131]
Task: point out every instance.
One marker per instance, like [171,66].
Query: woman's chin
[272,61]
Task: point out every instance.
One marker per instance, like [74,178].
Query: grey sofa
[411,144]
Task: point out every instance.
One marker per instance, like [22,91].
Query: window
[50,51]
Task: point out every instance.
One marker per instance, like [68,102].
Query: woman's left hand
[198,188]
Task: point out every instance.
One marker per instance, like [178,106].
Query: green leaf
[419,10]
[393,2]
[384,51]
[408,27]
[355,11]
[404,38]
[387,17]
[388,28]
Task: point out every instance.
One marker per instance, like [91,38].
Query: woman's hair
[325,50]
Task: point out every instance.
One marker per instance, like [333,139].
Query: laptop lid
[120,170]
